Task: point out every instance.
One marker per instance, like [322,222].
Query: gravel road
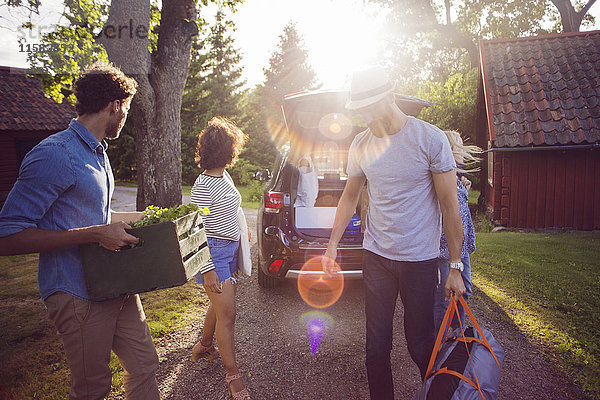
[275,357]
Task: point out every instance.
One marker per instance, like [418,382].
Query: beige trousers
[90,330]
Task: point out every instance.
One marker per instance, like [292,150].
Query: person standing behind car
[464,155]
[62,199]
[219,145]
[410,175]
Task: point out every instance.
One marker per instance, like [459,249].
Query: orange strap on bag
[445,370]
[448,316]
[472,318]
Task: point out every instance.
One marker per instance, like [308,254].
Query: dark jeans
[384,279]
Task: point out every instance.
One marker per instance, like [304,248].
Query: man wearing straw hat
[411,181]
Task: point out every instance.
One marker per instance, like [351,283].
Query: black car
[299,203]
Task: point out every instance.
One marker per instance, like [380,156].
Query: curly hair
[98,85]
[219,144]
[464,154]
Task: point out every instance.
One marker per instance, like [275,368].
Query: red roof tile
[23,106]
[543,90]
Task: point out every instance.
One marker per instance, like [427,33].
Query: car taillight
[275,266]
[273,202]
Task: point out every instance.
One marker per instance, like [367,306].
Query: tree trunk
[161,78]
[570,19]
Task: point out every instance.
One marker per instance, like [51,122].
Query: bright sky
[339,35]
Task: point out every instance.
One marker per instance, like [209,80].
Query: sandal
[209,353]
[243,394]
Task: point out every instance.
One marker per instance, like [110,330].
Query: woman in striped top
[219,145]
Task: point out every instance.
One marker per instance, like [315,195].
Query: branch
[460,39]
[586,8]
[177,31]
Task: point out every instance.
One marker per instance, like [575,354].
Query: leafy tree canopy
[288,72]
[213,88]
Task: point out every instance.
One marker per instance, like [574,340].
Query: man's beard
[113,130]
[381,126]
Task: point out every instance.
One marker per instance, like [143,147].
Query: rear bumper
[295,253]
[295,274]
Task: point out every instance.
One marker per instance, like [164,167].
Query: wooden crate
[171,253]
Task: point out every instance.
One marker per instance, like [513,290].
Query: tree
[455,103]
[161,78]
[429,36]
[288,72]
[213,88]
[161,71]
[572,20]
[65,51]
[260,149]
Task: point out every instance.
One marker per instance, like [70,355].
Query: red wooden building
[26,117]
[539,117]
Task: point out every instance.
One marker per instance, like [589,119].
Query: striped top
[222,199]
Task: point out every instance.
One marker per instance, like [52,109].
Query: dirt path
[274,352]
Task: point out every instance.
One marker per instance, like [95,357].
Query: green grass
[32,360]
[549,285]
[473,196]
[32,363]
[245,192]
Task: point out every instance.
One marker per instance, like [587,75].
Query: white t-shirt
[404,217]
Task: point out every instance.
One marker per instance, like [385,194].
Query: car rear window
[330,164]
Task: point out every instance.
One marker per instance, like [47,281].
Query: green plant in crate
[155,215]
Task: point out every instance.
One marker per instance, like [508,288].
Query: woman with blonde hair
[219,145]
[466,161]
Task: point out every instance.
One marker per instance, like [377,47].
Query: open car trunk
[318,187]
[319,132]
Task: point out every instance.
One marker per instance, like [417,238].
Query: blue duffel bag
[466,366]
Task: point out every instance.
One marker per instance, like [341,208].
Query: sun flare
[343,36]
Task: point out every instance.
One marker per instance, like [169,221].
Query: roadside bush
[242,172]
[255,190]
[455,103]
[122,155]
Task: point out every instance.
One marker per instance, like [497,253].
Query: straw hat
[368,86]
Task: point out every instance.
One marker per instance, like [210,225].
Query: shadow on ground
[275,357]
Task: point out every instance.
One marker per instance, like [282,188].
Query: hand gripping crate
[170,254]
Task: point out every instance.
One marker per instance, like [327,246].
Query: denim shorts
[224,255]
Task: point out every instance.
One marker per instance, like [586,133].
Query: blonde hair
[464,154]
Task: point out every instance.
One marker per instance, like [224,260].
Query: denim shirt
[468,229]
[65,182]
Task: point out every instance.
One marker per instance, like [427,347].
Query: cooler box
[171,253]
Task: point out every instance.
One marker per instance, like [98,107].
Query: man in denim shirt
[61,200]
